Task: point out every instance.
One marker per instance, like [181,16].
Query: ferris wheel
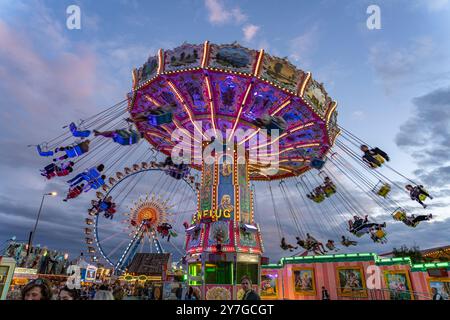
[148,221]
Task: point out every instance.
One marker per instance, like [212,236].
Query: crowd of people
[43,289]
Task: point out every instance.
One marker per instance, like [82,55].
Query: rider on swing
[374,157]
[286,246]
[418,194]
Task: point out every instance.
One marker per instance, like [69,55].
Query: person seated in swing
[374,157]
[363,225]
[124,137]
[331,246]
[346,242]
[318,195]
[303,244]
[74,192]
[78,133]
[418,194]
[87,175]
[95,183]
[155,117]
[53,170]
[357,222]
[314,243]
[164,229]
[73,151]
[413,220]
[377,234]
[287,246]
[329,187]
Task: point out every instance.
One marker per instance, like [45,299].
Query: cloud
[250,30]
[435,5]
[427,132]
[219,15]
[302,46]
[421,62]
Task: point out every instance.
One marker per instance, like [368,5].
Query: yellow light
[281,107]
[54,193]
[302,90]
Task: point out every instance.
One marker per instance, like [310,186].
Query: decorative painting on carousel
[183,57]
[218,292]
[269,288]
[147,71]
[226,200]
[207,187]
[244,204]
[304,281]
[281,72]
[226,171]
[219,232]
[228,91]
[242,173]
[232,57]
[263,98]
[316,95]
[191,87]
[193,240]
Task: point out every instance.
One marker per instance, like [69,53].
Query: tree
[414,253]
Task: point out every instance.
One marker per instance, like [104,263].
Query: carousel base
[218,276]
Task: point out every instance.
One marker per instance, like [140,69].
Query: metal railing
[381,294]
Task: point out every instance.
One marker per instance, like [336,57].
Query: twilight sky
[392,86]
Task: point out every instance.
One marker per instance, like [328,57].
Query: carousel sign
[212,215]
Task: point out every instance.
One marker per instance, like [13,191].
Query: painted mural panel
[207,187]
[399,285]
[183,57]
[439,288]
[304,281]
[281,72]
[351,282]
[316,95]
[232,57]
[269,287]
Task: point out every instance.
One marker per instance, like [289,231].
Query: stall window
[247,269]
[219,272]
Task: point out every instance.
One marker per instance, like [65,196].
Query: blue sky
[392,85]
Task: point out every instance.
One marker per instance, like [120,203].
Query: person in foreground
[38,289]
[249,294]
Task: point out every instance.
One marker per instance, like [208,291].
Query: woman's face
[34,294]
[64,295]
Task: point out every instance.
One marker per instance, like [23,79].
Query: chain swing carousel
[208,92]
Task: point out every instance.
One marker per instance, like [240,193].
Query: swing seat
[384,190]
[319,198]
[379,158]
[317,163]
[79,134]
[125,138]
[399,215]
[422,197]
[160,117]
[329,191]
[44,153]
[380,234]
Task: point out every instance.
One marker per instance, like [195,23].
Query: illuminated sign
[212,215]
[25,271]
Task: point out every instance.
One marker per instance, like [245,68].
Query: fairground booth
[363,276]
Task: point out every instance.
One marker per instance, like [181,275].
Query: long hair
[103,295]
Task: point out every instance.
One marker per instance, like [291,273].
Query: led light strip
[240,111]
[183,103]
[283,105]
[211,105]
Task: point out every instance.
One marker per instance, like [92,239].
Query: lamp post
[30,241]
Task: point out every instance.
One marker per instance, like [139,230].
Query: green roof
[357,257]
